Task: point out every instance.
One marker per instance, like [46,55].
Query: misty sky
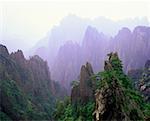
[25,23]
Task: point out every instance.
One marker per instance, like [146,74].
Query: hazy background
[24,23]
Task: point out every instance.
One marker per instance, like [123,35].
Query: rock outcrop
[141,79]
[106,107]
[135,75]
[144,82]
[133,48]
[3,50]
[86,92]
[67,64]
[115,98]
[26,83]
[112,103]
[83,92]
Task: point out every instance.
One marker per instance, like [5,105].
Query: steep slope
[132,47]
[73,28]
[115,98]
[15,105]
[26,86]
[141,78]
[71,56]
[144,82]
[67,63]
[70,28]
[94,47]
[83,91]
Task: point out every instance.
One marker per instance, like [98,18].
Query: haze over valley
[75,60]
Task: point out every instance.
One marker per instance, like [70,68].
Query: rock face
[32,80]
[83,92]
[135,75]
[141,79]
[112,103]
[73,28]
[67,64]
[3,50]
[94,47]
[144,82]
[106,108]
[85,85]
[75,95]
[115,98]
[133,48]
[71,56]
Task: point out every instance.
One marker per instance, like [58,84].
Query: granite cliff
[27,90]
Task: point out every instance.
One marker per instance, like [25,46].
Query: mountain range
[108,95]
[73,28]
[77,40]
[132,47]
[27,91]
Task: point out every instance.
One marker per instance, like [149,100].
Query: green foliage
[4,117]
[146,108]
[13,95]
[63,110]
[17,104]
[132,98]
[67,112]
[116,63]
[105,77]
[131,102]
[87,111]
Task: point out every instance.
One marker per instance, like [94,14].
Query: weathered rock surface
[144,82]
[133,48]
[3,50]
[85,85]
[112,101]
[83,92]
[141,79]
[28,82]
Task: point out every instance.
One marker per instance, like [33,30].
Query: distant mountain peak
[18,55]
[124,31]
[3,50]
[91,30]
[142,30]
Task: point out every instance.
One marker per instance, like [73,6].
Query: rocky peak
[92,46]
[39,68]
[36,58]
[89,68]
[124,31]
[19,58]
[18,55]
[124,35]
[91,36]
[3,50]
[142,33]
[86,72]
[139,29]
[91,30]
[111,101]
[26,87]
[85,89]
